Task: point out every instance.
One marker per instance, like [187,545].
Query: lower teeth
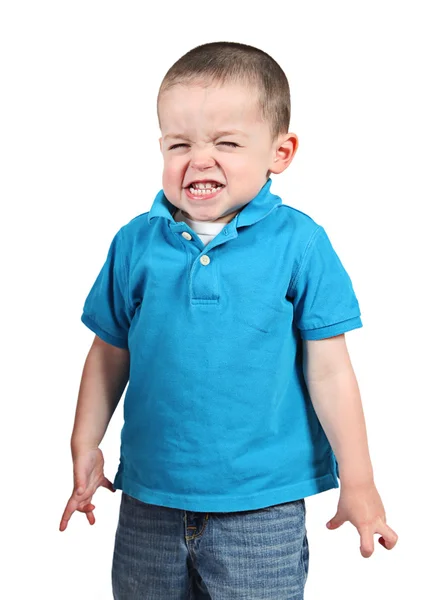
[203,193]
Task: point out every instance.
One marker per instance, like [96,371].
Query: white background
[80,157]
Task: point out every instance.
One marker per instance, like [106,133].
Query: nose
[201,158]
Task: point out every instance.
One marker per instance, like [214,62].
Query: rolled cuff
[104,335]
[327,331]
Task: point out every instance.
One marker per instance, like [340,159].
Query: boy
[226,311]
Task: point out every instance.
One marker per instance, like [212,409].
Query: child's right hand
[88,477]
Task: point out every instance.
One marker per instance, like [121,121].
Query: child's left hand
[362,506]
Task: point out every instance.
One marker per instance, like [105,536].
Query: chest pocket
[265,317]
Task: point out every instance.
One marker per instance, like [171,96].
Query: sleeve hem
[104,335]
[331,330]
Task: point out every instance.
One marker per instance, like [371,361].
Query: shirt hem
[226,504]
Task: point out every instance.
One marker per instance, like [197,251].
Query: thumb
[335,522]
[107,484]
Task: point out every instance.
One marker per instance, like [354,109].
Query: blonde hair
[225,62]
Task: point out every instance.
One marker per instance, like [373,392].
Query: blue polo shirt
[217,415]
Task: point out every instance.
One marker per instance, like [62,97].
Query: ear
[285,148]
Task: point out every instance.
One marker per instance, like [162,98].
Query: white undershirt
[206,230]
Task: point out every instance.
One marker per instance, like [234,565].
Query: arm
[336,399]
[105,375]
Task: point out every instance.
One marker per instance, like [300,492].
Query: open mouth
[204,190]
[204,187]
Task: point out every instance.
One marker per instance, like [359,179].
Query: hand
[362,506]
[88,477]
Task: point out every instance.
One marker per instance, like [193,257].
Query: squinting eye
[231,144]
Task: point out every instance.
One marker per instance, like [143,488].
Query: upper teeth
[203,186]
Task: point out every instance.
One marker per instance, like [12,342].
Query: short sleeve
[325,304]
[106,310]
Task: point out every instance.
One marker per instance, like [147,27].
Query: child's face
[214,134]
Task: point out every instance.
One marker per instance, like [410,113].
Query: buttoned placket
[204,274]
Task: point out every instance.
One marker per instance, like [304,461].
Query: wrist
[356,480]
[81,446]
[354,465]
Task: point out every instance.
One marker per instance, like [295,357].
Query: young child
[225,310]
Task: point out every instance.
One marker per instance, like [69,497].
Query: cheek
[242,164]
[173,172]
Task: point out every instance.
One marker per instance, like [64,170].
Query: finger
[367,541]
[388,537]
[108,484]
[90,517]
[63,524]
[335,522]
[71,507]
[88,509]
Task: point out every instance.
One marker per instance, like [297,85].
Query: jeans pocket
[305,556]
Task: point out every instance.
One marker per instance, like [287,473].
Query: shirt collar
[256,209]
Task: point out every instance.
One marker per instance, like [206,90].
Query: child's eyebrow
[217,134]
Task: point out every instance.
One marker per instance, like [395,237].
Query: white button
[205,260]
[186,235]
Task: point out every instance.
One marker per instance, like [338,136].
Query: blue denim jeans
[170,554]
